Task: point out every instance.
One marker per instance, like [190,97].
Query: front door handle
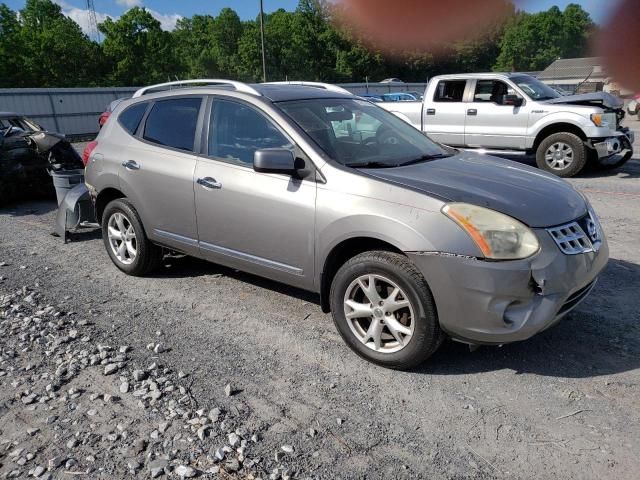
[472,111]
[131,165]
[209,183]
[431,111]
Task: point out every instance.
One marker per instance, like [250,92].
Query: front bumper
[621,142]
[484,302]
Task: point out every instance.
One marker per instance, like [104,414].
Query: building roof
[570,68]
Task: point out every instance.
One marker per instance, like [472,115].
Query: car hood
[536,198]
[596,99]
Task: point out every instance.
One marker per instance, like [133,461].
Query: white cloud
[129,3]
[81,16]
[167,21]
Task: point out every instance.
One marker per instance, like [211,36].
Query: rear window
[172,123]
[450,91]
[130,118]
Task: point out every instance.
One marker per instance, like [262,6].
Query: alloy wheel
[559,156]
[379,313]
[122,238]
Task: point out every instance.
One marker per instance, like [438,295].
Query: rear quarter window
[172,123]
[131,116]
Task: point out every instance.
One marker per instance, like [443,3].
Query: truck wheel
[563,154]
[126,241]
[384,310]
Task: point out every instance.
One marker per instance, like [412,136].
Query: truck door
[492,118]
[444,114]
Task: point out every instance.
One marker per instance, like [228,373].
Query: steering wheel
[386,136]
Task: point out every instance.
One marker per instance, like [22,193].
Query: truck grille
[581,236]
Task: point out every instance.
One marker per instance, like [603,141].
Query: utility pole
[264,63]
[94,33]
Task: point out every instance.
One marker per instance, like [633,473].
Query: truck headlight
[498,236]
[599,120]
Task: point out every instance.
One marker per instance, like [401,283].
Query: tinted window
[237,131]
[130,118]
[450,91]
[173,122]
[492,91]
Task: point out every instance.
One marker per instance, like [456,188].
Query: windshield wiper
[372,164]
[425,158]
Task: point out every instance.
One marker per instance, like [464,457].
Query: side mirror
[278,160]
[513,100]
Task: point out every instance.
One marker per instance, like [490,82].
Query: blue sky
[169,11]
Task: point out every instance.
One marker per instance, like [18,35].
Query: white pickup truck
[515,113]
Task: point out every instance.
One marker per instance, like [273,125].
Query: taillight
[87,151]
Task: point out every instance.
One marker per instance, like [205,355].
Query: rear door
[490,122]
[257,222]
[445,113]
[157,172]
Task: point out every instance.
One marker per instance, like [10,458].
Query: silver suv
[407,241]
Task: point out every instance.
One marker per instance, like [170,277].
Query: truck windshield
[534,88]
[358,134]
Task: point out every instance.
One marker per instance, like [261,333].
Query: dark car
[27,154]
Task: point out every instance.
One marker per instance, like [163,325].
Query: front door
[491,122]
[257,222]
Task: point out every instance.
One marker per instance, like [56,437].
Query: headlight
[597,120]
[498,236]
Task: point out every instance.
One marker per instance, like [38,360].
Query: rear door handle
[131,165]
[431,111]
[209,183]
[472,111]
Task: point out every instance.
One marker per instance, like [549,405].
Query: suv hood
[536,198]
[597,99]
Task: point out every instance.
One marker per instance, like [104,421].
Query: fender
[540,118]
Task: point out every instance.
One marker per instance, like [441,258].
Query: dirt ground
[565,404]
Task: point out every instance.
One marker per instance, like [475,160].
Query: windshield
[357,133]
[18,124]
[534,88]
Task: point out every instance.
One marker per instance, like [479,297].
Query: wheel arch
[558,127]
[104,197]
[343,251]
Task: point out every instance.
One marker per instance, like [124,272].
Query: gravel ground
[86,392]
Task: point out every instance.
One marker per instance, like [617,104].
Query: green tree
[533,41]
[10,48]
[138,51]
[53,49]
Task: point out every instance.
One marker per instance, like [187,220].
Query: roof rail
[239,86]
[326,86]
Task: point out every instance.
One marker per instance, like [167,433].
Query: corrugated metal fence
[75,111]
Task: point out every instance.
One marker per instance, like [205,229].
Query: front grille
[576,297]
[581,236]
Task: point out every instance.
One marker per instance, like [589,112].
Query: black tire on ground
[579,159]
[427,335]
[148,256]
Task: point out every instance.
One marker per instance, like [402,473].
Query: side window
[492,91]
[172,123]
[450,91]
[236,131]
[130,117]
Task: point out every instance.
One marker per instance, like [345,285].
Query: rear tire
[563,154]
[126,241]
[399,332]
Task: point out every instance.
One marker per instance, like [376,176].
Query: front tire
[126,241]
[563,154]
[384,310]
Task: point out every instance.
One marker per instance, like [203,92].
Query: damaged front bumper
[485,302]
[620,143]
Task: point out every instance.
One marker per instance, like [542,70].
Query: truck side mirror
[513,100]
